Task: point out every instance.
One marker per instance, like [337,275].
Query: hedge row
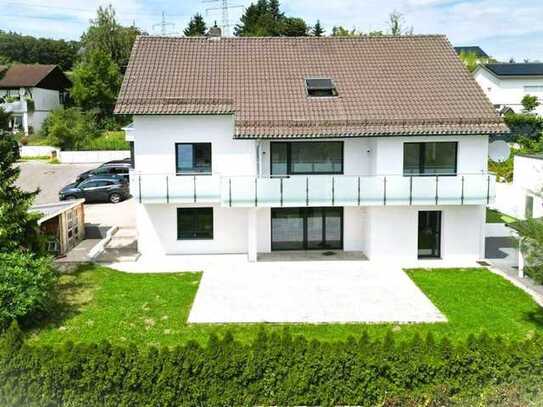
[273,370]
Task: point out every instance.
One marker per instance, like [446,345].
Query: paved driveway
[50,178]
[310,292]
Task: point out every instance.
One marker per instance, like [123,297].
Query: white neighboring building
[30,92]
[528,184]
[506,84]
[259,145]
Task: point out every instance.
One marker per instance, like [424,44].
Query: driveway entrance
[310,292]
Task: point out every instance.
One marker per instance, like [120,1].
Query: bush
[110,140]
[26,286]
[69,129]
[273,370]
[524,125]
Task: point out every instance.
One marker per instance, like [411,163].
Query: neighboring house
[30,92]
[477,51]
[528,185]
[63,224]
[377,145]
[506,84]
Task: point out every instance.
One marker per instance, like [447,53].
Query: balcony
[315,190]
[17,106]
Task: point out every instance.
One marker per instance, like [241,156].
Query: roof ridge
[299,38]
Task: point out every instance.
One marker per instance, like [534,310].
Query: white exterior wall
[394,232]
[528,181]
[155,138]
[157,231]
[507,91]
[380,232]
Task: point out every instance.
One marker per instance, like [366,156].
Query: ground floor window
[307,228]
[195,223]
[429,237]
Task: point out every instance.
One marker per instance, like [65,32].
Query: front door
[307,228]
[429,234]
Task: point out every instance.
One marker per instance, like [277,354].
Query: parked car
[118,168]
[97,189]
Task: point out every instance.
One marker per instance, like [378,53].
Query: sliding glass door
[307,228]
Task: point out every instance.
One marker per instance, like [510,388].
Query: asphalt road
[51,178]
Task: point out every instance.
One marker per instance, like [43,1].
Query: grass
[98,303]
[494,216]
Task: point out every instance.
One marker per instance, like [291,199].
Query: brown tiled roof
[21,75]
[386,85]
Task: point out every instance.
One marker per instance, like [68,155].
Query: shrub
[26,286]
[531,239]
[69,129]
[524,125]
[110,140]
[273,370]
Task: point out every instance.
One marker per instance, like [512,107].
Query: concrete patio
[310,292]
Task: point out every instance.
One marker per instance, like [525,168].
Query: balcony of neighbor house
[314,190]
[16,105]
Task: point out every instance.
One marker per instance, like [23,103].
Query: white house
[528,185]
[376,146]
[506,84]
[30,92]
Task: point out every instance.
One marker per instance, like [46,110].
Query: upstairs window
[430,158]
[320,87]
[193,158]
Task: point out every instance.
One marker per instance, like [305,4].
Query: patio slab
[310,292]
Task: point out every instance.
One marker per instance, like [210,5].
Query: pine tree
[18,228]
[196,27]
[318,31]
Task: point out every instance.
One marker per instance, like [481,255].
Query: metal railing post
[385,191]
[437,189]
[333,191]
[256,192]
[488,190]
[167,190]
[358,191]
[139,185]
[281,190]
[306,191]
[194,182]
[462,196]
[411,190]
[230,192]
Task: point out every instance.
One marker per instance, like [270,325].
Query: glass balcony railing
[316,190]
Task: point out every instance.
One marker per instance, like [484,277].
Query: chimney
[214,33]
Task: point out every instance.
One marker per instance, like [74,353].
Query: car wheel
[115,198]
[69,198]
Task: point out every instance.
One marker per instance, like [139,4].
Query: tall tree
[105,34]
[318,31]
[396,24]
[529,103]
[96,83]
[340,31]
[196,27]
[264,18]
[18,228]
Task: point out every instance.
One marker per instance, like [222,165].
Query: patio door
[307,228]
[429,238]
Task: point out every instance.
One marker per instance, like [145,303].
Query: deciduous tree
[529,103]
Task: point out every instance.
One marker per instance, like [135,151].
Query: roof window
[320,87]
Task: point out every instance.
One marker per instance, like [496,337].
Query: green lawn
[493,216]
[98,303]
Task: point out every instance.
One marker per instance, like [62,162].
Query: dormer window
[320,87]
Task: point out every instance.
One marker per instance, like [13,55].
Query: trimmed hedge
[273,370]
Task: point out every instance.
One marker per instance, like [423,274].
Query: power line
[164,26]
[224,7]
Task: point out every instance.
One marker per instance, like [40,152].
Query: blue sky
[503,28]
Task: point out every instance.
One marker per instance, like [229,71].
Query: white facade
[528,185]
[43,100]
[385,227]
[509,91]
